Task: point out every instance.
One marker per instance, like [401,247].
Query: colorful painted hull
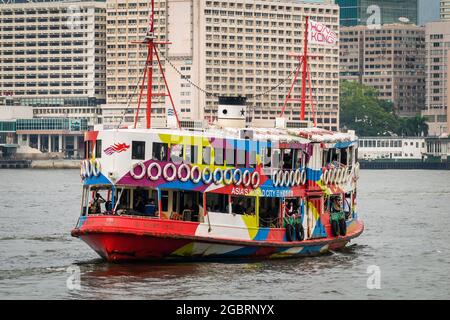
[121,238]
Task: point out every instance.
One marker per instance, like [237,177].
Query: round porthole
[225,111]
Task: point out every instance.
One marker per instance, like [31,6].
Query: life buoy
[326,177]
[96,168]
[174,172]
[236,181]
[150,171]
[196,169]
[333,176]
[204,174]
[218,181]
[357,167]
[256,179]
[298,177]
[299,232]
[246,178]
[82,169]
[280,178]
[339,176]
[304,176]
[290,232]
[275,179]
[292,178]
[285,178]
[187,170]
[133,172]
[88,167]
[228,181]
[349,175]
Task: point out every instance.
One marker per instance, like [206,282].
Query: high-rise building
[52,57]
[437,35]
[237,47]
[390,59]
[445,9]
[364,12]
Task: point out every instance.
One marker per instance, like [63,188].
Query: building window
[138,150]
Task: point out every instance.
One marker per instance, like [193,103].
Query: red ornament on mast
[148,72]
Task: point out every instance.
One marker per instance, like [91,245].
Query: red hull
[131,238]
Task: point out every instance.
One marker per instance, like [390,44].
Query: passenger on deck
[239,208]
[336,206]
[96,205]
[150,208]
[140,204]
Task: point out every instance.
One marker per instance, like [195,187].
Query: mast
[152,52]
[304,69]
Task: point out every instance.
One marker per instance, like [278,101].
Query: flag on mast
[318,33]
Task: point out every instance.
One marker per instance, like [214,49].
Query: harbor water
[404,252]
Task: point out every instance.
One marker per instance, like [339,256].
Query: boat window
[326,157]
[298,153]
[252,159]
[229,157]
[240,158]
[138,150]
[97,200]
[165,201]
[287,158]
[344,156]
[268,212]
[266,154]
[160,151]
[276,158]
[176,153]
[191,154]
[98,149]
[89,149]
[244,205]
[217,202]
[218,156]
[206,155]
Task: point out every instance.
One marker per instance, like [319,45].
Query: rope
[129,100]
[207,93]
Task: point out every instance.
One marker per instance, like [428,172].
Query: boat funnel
[232,112]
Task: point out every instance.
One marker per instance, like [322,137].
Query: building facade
[437,37]
[390,59]
[228,48]
[445,9]
[397,148]
[53,57]
[366,12]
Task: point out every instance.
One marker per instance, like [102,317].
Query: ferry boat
[224,191]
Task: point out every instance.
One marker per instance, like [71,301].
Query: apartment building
[437,35]
[445,10]
[237,47]
[391,59]
[53,57]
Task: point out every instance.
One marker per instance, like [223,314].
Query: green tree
[363,112]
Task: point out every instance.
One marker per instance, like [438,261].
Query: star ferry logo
[117,148]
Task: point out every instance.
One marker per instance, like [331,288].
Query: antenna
[152,52]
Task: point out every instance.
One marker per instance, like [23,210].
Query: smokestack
[232,112]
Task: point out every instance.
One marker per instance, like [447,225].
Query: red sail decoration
[117,148]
